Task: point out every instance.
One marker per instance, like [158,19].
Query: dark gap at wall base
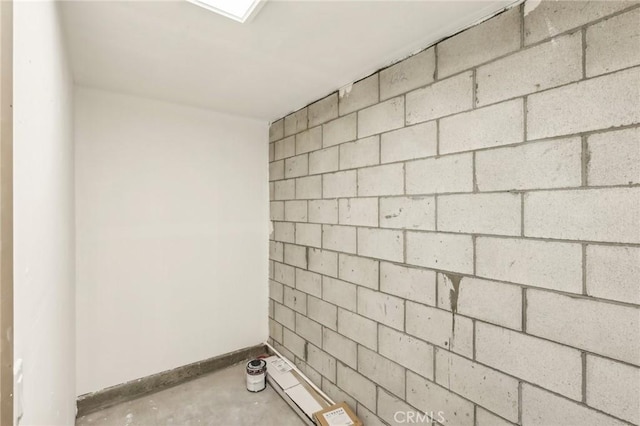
[91,402]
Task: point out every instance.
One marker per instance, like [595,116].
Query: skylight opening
[238,10]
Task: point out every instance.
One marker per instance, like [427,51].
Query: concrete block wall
[460,232]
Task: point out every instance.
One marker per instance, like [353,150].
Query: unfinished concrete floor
[219,398]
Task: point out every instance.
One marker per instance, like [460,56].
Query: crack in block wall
[460,232]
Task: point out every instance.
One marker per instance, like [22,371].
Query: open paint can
[256,375]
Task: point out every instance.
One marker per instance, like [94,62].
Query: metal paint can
[256,375]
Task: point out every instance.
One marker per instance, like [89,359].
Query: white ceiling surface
[290,54]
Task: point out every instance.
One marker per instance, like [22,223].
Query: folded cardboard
[337,415]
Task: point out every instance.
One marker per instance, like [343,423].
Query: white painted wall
[43,216]
[172,231]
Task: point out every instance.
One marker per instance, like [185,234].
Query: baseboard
[95,401]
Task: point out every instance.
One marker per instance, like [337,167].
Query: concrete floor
[219,398]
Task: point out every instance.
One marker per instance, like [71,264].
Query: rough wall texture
[460,232]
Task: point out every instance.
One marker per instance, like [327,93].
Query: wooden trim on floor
[88,403]
[6,212]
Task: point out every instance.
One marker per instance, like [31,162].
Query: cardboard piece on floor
[337,415]
[280,371]
[303,399]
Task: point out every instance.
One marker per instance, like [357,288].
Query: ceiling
[290,54]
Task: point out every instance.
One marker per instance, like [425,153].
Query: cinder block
[542,408]
[276,130]
[322,312]
[357,328]
[284,231]
[340,347]
[613,44]
[382,371]
[358,270]
[385,116]
[296,122]
[358,386]
[296,166]
[323,262]
[613,388]
[284,351]
[295,300]
[284,274]
[368,418]
[363,152]
[358,211]
[487,418]
[408,74]
[285,189]
[275,331]
[452,173]
[440,328]
[408,213]
[272,152]
[276,210]
[491,39]
[395,411]
[341,184]
[340,130]
[381,307]
[604,214]
[285,148]
[497,213]
[599,327]
[449,252]
[272,191]
[597,103]
[429,397]
[276,251]
[339,238]
[444,97]
[294,343]
[276,291]
[548,19]
[548,164]
[295,255]
[284,315]
[484,386]
[552,366]
[552,265]
[323,110]
[337,394]
[323,211]
[324,160]
[309,330]
[309,140]
[409,143]
[276,170]
[408,351]
[295,211]
[541,67]
[614,273]
[485,300]
[413,284]
[381,244]
[307,370]
[322,362]
[495,125]
[339,293]
[309,187]
[308,234]
[614,157]
[381,180]
[360,95]
[309,282]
